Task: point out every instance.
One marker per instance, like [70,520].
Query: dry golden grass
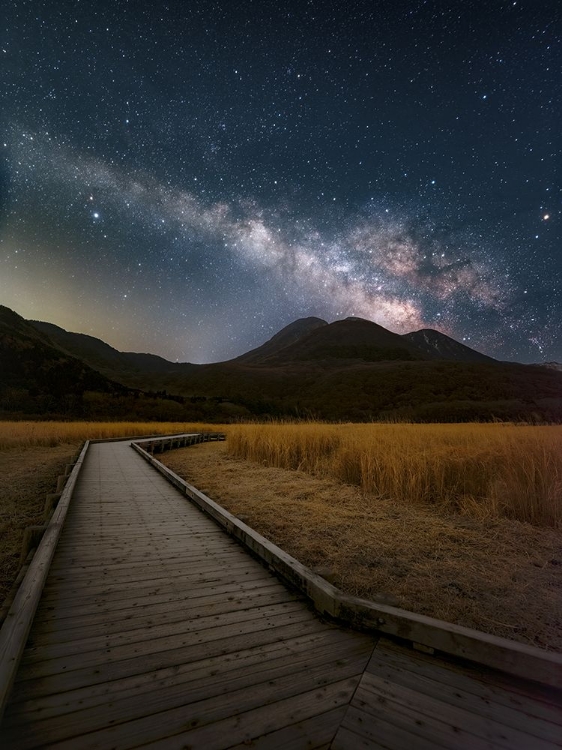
[32,455]
[27,476]
[496,575]
[422,516]
[26,434]
[482,470]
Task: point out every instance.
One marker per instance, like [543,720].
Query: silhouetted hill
[286,336]
[348,370]
[349,339]
[130,368]
[435,343]
[37,372]
[551,365]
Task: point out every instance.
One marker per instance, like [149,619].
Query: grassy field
[32,455]
[27,476]
[23,435]
[460,522]
[495,574]
[482,470]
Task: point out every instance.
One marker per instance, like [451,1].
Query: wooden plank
[361,730]
[141,541]
[314,733]
[435,719]
[135,546]
[507,684]
[100,658]
[134,553]
[262,720]
[83,575]
[498,653]
[17,624]
[127,708]
[174,534]
[215,667]
[29,686]
[146,615]
[103,584]
[170,726]
[129,557]
[48,616]
[185,558]
[458,689]
[158,586]
[98,639]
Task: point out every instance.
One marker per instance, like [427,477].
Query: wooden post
[50,503]
[32,535]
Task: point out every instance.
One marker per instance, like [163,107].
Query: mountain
[552,365]
[36,372]
[349,370]
[352,339]
[286,336]
[435,343]
[130,368]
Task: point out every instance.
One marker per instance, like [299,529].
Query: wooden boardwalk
[156,629]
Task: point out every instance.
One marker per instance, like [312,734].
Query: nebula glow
[194,210]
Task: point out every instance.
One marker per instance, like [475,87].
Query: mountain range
[350,369]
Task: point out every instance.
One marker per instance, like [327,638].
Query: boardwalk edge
[16,626]
[508,656]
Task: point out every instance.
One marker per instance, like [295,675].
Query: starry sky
[187,177]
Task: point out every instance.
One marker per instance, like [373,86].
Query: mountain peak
[436,343]
[348,339]
[285,337]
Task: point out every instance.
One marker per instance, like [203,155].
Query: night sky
[186,178]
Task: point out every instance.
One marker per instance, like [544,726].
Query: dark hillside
[34,371]
[350,370]
[436,343]
[130,368]
[286,336]
[349,339]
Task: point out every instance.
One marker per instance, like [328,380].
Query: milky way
[186,180]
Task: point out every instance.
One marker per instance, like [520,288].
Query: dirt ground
[27,475]
[502,577]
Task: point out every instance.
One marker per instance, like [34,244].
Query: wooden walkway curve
[156,629]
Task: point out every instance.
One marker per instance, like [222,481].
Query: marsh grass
[26,477]
[23,435]
[484,470]
[493,574]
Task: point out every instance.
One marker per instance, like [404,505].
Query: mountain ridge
[283,338]
[432,341]
[348,370]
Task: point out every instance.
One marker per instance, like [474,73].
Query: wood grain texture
[151,614]
[156,629]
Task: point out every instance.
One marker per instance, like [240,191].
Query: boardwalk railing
[426,633]
[159,445]
[17,624]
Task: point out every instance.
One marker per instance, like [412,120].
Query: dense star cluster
[186,178]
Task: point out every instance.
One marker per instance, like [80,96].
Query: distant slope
[33,363]
[444,347]
[286,336]
[349,339]
[352,370]
[130,368]
[551,365]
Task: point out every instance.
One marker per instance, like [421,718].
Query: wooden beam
[15,629]
[492,651]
